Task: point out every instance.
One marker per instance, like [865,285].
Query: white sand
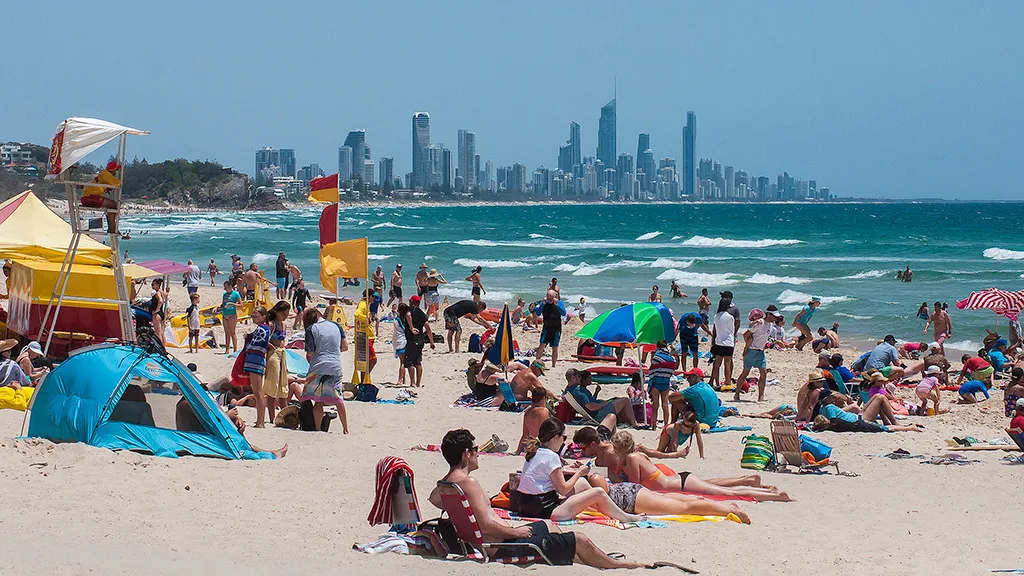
[73,509]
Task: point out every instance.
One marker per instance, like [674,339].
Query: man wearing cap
[733,309]
[526,379]
[755,338]
[11,373]
[417,333]
[885,358]
[699,396]
[95,196]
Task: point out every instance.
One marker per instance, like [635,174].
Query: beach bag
[366,393]
[474,343]
[564,412]
[239,378]
[306,418]
[817,449]
[758,452]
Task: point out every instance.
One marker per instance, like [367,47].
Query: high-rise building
[488,180]
[730,183]
[467,150]
[287,156]
[356,141]
[435,166]
[626,173]
[387,170]
[307,173]
[476,172]
[517,179]
[643,142]
[447,169]
[689,162]
[344,163]
[540,182]
[606,135]
[575,150]
[368,169]
[565,158]
[420,144]
[268,165]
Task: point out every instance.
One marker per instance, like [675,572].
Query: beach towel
[597,518]
[15,399]
[727,429]
[470,401]
[388,471]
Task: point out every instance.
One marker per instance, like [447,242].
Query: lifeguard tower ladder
[76,138]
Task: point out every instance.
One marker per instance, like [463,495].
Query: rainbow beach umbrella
[502,351]
[640,323]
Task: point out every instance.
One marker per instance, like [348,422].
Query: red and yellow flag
[329,225]
[346,259]
[324,189]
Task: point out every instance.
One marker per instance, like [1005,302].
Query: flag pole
[337,231]
[369,290]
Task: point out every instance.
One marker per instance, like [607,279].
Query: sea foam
[760,278]
[1002,254]
[699,279]
[705,242]
[393,225]
[794,297]
[868,274]
[648,236]
[670,263]
[471,263]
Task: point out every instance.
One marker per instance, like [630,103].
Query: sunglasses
[474,449]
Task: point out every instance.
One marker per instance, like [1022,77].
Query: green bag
[758,452]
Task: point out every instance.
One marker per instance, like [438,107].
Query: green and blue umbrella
[502,351]
[640,323]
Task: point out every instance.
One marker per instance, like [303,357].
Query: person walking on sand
[296,275]
[432,295]
[417,333]
[686,331]
[193,277]
[252,280]
[324,342]
[478,286]
[421,283]
[942,324]
[802,322]
[396,286]
[229,316]
[299,298]
[211,271]
[704,306]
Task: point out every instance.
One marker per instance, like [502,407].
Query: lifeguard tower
[74,140]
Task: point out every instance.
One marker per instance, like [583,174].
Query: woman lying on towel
[832,416]
[635,498]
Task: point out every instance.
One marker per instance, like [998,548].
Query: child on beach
[193,323]
[928,389]
[229,316]
[212,271]
[256,344]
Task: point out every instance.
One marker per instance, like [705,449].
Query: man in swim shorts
[686,331]
[562,548]
[462,308]
[942,325]
[282,276]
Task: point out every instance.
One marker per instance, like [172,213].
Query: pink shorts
[942,337]
[924,392]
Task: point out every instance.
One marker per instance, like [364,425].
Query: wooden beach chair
[585,418]
[456,505]
[786,441]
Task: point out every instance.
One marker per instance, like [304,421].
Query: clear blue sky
[899,99]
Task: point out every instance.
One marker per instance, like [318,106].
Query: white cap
[933,370]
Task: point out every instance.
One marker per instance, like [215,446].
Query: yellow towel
[15,399]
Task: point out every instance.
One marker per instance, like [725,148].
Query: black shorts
[536,505]
[396,292]
[559,547]
[476,291]
[421,290]
[603,433]
[413,352]
[551,335]
[717,350]
[860,425]
[250,294]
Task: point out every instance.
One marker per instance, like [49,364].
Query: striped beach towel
[388,470]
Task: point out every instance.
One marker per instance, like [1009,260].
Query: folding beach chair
[510,398]
[786,441]
[839,383]
[1017,437]
[456,505]
[585,418]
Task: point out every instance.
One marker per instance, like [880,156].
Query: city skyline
[895,100]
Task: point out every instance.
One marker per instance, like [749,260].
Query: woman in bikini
[634,498]
[635,466]
[675,435]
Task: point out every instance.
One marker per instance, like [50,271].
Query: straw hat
[433,273]
[877,377]
[8,344]
[287,417]
[815,376]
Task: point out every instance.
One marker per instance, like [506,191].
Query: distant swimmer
[676,292]
[905,275]
[655,295]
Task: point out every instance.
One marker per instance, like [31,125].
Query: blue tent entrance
[77,400]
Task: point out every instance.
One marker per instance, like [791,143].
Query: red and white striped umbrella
[1003,302]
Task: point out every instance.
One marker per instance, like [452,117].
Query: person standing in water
[478,286]
[942,324]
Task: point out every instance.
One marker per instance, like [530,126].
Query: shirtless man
[251,279]
[478,286]
[396,286]
[421,283]
[534,415]
[828,338]
[377,279]
[296,275]
[942,324]
[526,380]
[563,548]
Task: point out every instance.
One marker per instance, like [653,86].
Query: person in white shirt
[543,490]
[723,333]
[755,338]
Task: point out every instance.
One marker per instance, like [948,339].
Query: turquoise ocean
[847,254]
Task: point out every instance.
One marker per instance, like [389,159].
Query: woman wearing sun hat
[11,373]
[30,352]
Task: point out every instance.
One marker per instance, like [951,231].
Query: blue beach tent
[81,401]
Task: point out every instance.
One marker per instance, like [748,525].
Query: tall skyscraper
[356,141]
[488,182]
[345,163]
[690,155]
[575,151]
[287,159]
[645,161]
[606,135]
[467,150]
[643,142]
[476,171]
[420,143]
[387,171]
[268,165]
[565,158]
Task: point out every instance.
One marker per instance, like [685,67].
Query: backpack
[367,393]
[758,453]
[474,343]
[306,418]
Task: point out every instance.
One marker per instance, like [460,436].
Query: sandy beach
[75,509]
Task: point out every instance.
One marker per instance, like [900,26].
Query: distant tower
[575,151]
[690,155]
[420,144]
[606,135]
[467,150]
[356,141]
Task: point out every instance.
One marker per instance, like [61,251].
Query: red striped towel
[387,470]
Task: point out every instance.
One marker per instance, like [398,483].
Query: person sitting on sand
[777,333]
[844,413]
[1017,418]
[483,381]
[11,374]
[545,491]
[1014,390]
[877,384]
[782,411]
[562,548]
[828,339]
[462,309]
[673,437]
[621,408]
[808,395]
[969,389]
[885,358]
[536,414]
[626,464]
[976,368]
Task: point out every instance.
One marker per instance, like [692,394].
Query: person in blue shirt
[968,390]
[622,408]
[885,358]
[689,342]
[832,415]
